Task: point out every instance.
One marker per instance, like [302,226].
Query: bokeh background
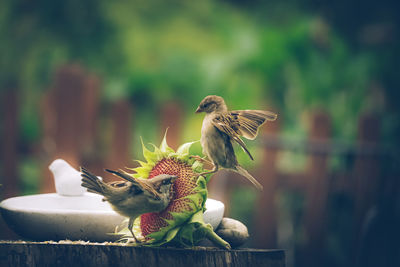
[84,80]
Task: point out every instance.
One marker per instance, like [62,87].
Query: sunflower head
[182,221]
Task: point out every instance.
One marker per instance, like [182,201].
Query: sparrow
[132,197]
[221,126]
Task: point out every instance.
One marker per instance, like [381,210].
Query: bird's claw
[133,242]
[207,172]
[198,158]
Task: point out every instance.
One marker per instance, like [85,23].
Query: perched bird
[66,178]
[221,126]
[132,197]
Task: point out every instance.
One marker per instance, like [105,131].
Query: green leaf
[165,149]
[171,234]
[196,229]
[148,155]
[157,152]
[142,163]
[142,172]
[183,150]
[197,166]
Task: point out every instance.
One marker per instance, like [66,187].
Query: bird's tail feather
[92,182]
[249,177]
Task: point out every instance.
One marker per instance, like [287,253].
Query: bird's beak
[198,110]
[173,178]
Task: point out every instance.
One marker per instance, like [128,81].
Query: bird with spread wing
[220,126]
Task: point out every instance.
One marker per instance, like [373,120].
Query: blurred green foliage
[155,51]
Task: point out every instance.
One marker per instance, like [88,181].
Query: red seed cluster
[183,186]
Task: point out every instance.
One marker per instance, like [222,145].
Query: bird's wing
[247,122]
[123,175]
[139,184]
[135,190]
[228,125]
[118,183]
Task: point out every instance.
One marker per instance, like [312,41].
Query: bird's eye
[206,105]
[166,182]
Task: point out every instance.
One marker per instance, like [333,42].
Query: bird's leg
[130,226]
[214,170]
[202,160]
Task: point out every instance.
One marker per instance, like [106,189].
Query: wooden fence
[72,116]
[363,181]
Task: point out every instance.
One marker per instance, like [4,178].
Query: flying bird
[221,126]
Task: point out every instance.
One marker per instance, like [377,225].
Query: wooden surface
[22,253]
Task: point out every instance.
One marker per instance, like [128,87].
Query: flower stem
[216,239]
